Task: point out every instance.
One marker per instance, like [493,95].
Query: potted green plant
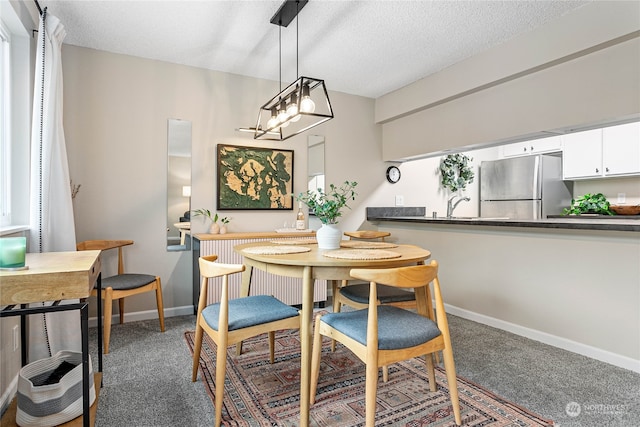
[327,207]
[589,204]
[225,221]
[215,227]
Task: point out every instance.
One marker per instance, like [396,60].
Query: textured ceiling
[366,48]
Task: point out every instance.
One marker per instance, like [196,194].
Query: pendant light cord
[280,51]
[297,13]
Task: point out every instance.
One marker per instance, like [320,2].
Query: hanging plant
[456,171]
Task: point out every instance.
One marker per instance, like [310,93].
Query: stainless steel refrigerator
[528,187]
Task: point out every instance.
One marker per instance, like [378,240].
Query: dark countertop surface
[416,215]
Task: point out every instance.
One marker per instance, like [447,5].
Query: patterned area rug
[260,394]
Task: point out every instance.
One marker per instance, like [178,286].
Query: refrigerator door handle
[536,176]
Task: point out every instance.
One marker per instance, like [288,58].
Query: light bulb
[282,114]
[307,105]
[292,109]
[273,121]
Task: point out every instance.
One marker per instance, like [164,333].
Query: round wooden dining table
[316,264]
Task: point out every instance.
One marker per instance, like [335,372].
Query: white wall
[580,70]
[576,289]
[116,111]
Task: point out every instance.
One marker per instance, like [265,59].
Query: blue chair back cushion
[386,294]
[397,328]
[249,311]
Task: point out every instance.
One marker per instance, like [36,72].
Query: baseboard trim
[546,338]
[145,315]
[9,394]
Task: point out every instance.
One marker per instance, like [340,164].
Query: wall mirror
[178,185]
[315,162]
[315,170]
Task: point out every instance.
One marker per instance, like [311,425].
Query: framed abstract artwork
[254,178]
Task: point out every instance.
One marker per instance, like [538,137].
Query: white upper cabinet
[612,151]
[621,149]
[582,154]
[534,146]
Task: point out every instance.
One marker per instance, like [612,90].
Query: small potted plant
[327,207]
[215,227]
[589,204]
[225,221]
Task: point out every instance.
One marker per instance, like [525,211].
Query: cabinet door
[516,149]
[582,154]
[534,146]
[621,149]
[545,145]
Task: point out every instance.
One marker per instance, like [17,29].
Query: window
[17,56]
[5,127]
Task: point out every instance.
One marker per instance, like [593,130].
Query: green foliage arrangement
[589,204]
[225,220]
[206,213]
[456,171]
[327,206]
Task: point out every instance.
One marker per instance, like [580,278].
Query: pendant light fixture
[301,105]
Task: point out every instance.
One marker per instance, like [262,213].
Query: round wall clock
[393,174]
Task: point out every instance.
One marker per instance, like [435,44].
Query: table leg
[99,314]
[23,336]
[305,345]
[84,329]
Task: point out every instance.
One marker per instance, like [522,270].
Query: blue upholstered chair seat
[386,294]
[249,311]
[415,329]
[122,282]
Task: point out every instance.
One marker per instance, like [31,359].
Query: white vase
[329,236]
[223,229]
[215,228]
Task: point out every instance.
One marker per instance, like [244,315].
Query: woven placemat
[294,241]
[366,245]
[362,254]
[276,250]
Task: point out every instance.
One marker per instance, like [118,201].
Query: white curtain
[52,223]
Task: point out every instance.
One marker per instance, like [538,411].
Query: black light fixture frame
[294,92]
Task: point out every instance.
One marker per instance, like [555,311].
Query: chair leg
[221,371]
[450,369]
[272,343]
[108,311]
[121,308]
[159,303]
[337,306]
[371,389]
[431,372]
[196,351]
[315,361]
[385,373]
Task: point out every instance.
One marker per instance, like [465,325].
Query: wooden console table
[55,276]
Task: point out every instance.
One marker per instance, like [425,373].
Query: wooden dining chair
[381,334]
[231,321]
[122,285]
[356,295]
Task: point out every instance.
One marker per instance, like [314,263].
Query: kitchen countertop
[416,215]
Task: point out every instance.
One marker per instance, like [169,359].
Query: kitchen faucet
[451,206]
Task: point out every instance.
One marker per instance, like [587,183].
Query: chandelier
[301,105]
